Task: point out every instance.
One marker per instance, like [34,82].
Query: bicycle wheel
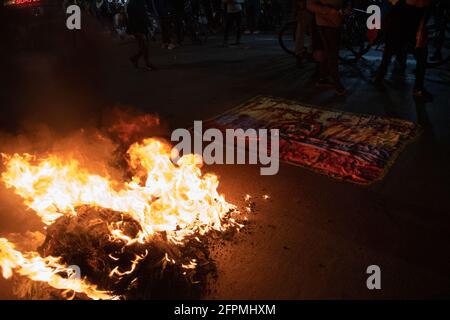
[439,48]
[354,39]
[203,33]
[286,37]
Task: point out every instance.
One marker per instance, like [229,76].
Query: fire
[161,196]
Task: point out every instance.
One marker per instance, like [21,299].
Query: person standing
[233,17]
[328,18]
[138,24]
[304,21]
[407,29]
[441,7]
[253,10]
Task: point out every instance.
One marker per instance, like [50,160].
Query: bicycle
[354,37]
[439,36]
[286,37]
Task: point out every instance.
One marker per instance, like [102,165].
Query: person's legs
[238,21]
[441,26]
[419,90]
[331,38]
[250,20]
[165,30]
[256,21]
[178,27]
[334,41]
[142,51]
[135,58]
[320,56]
[401,56]
[300,35]
[388,53]
[228,25]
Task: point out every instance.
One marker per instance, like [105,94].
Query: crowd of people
[403,28]
[169,17]
[175,20]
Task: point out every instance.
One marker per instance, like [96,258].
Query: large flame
[161,196]
[47,269]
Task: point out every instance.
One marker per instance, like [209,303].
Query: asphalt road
[315,236]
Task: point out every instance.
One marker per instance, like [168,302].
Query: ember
[124,235]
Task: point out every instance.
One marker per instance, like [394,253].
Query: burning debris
[145,237]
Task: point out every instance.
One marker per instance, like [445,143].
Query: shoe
[422,94]
[256,32]
[150,67]
[324,82]
[379,84]
[171,46]
[437,56]
[247,32]
[341,91]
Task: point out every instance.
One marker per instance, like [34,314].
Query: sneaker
[256,32]
[437,56]
[247,32]
[324,82]
[150,67]
[171,46]
[340,90]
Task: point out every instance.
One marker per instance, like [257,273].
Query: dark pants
[166,29]
[141,40]
[252,18]
[421,55]
[331,38]
[398,47]
[400,38]
[233,18]
[178,25]
[441,26]
[391,48]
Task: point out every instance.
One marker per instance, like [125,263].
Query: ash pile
[156,269]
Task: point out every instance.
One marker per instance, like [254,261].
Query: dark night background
[316,236]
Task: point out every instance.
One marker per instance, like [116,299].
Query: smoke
[100,149]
